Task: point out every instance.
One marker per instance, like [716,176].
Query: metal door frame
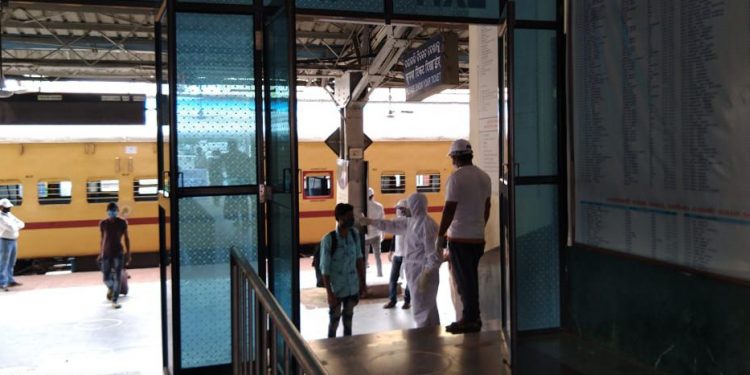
[173,192]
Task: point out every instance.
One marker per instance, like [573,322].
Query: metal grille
[12,191]
[428,182]
[102,191]
[54,192]
[145,189]
[393,183]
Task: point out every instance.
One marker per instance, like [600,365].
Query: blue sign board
[432,67]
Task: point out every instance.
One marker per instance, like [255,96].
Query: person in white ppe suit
[421,259]
[374,238]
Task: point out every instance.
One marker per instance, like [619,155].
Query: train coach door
[281,157]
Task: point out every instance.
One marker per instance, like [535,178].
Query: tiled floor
[369,315]
[63,324]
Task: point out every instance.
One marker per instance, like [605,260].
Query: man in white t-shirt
[466,211]
[374,236]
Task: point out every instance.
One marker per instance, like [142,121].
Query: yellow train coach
[61,189]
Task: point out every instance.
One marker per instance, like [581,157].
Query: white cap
[5,203]
[370,192]
[460,147]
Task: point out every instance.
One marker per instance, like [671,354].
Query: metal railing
[257,322]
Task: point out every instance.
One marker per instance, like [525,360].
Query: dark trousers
[335,313]
[464,259]
[393,282]
[111,270]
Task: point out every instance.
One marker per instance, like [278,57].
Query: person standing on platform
[10,226]
[465,214]
[343,269]
[374,238]
[422,260]
[112,257]
[396,256]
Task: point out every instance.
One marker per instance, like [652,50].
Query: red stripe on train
[155,220]
[86,223]
[388,211]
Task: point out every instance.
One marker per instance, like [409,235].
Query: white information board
[661,119]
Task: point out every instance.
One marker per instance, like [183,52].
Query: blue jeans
[464,259]
[393,282]
[335,313]
[112,270]
[8,252]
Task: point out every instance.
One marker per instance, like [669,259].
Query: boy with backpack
[343,269]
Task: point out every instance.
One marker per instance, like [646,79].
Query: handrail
[266,309]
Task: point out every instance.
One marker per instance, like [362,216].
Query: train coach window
[317,185]
[145,189]
[102,191]
[54,192]
[428,182]
[393,183]
[13,191]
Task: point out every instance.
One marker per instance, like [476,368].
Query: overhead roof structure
[113,40]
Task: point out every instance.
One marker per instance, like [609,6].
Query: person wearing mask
[10,226]
[421,260]
[111,256]
[396,256]
[343,269]
[466,211]
[374,238]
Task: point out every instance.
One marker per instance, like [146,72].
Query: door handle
[117,165]
[130,164]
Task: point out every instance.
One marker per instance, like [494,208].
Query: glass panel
[317,185]
[479,9]
[535,102]
[282,210]
[208,228]
[215,100]
[282,172]
[537,257]
[374,6]
[536,10]
[235,2]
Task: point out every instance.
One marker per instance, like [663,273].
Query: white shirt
[9,226]
[469,187]
[375,211]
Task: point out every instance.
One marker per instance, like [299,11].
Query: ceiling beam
[91,6]
[79,26]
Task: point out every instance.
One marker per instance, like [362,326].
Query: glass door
[507,184]
[211,172]
[281,159]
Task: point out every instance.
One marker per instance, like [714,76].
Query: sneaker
[109,294]
[406,306]
[464,327]
[5,288]
[389,305]
[116,305]
[14,283]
